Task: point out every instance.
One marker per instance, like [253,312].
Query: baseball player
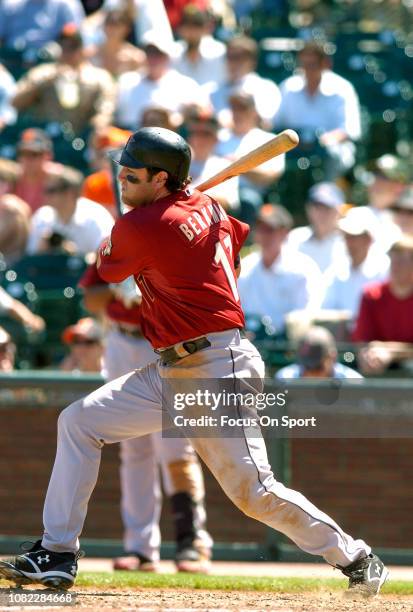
[125,350]
[183,250]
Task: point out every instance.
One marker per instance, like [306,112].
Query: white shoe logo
[73,570]
[41,559]
[377,569]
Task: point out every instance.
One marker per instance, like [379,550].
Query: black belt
[171,355]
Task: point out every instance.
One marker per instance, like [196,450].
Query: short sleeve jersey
[181,250]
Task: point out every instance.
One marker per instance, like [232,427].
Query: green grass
[131,580]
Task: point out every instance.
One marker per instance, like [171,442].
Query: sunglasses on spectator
[28,153]
[84,341]
[397,209]
[56,188]
[233,57]
[202,132]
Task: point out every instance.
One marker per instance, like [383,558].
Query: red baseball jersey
[181,251]
[116,309]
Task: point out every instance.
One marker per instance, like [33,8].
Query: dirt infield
[180,600]
[173,599]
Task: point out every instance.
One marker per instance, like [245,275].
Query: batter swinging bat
[283,142]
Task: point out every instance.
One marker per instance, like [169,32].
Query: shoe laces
[29,545]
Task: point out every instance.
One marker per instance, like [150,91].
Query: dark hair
[315,48]
[172,183]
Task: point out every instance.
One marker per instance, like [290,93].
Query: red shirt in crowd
[383,316]
[115,309]
[175,8]
[181,251]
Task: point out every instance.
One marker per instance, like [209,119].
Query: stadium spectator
[366,263]
[160,85]
[98,186]
[28,25]
[237,140]
[34,165]
[149,16]
[7,351]
[321,239]
[316,358]
[276,281]
[7,88]
[18,311]
[203,137]
[161,117]
[68,217]
[199,55]
[70,90]
[85,342]
[386,178]
[385,316]
[402,211]
[14,227]
[241,63]
[324,108]
[115,54]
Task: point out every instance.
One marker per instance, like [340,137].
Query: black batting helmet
[156,147]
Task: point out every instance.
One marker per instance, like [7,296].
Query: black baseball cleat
[366,576]
[39,565]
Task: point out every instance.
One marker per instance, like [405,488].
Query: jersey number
[221,257]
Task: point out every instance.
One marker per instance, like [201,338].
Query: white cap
[163,43]
[359,221]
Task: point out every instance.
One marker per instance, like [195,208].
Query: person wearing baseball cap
[276,280]
[85,342]
[402,210]
[34,152]
[385,178]
[384,321]
[366,262]
[316,358]
[321,239]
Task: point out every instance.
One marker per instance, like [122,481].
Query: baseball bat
[281,143]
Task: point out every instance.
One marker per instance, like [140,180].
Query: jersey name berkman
[199,221]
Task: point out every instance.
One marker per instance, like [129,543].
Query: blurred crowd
[331,244]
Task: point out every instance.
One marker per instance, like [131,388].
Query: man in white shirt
[243,136]
[78,221]
[160,86]
[199,55]
[316,358]
[321,239]
[324,108]
[366,263]
[276,281]
[386,178]
[241,62]
[202,137]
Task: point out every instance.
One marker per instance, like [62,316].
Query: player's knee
[68,417]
